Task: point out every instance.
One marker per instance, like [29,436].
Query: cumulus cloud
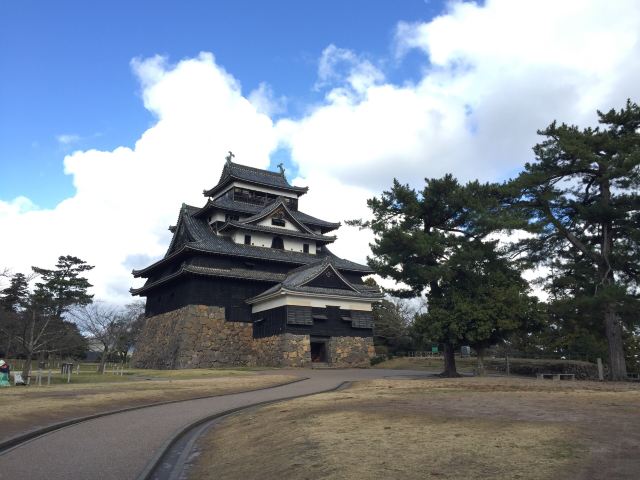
[126,198]
[492,75]
[266,101]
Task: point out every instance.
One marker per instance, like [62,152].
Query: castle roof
[265,178]
[301,281]
[204,245]
[193,233]
[229,205]
[240,273]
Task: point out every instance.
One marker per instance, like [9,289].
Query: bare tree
[131,320]
[102,323]
[392,319]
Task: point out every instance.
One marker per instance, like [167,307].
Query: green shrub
[378,359]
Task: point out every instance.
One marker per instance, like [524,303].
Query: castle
[248,280]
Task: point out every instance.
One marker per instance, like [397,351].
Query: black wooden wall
[328,322]
[197,290]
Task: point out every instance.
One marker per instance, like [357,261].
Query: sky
[112,114]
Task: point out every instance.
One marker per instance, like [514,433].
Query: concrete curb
[14,442]
[147,473]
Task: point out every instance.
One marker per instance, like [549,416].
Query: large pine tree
[581,198]
[432,241]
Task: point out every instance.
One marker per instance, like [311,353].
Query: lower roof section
[238,273]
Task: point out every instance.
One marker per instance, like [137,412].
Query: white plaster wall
[287,224]
[259,239]
[288,299]
[216,217]
[295,244]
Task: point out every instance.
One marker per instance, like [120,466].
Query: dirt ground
[29,408]
[468,428]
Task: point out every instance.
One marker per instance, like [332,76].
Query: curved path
[120,446]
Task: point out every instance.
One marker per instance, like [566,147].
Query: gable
[280,217]
[180,237]
[329,278]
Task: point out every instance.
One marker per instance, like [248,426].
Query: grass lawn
[28,408]
[468,428]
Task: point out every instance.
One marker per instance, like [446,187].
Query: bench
[633,376]
[556,376]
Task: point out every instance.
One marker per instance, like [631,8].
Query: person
[4,374]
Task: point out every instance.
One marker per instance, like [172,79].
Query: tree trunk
[8,348]
[449,362]
[480,366]
[613,328]
[26,369]
[29,346]
[103,361]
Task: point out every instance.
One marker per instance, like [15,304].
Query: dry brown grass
[27,408]
[454,429]
[433,364]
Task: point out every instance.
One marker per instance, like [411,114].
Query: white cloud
[350,74]
[126,198]
[67,138]
[265,100]
[495,74]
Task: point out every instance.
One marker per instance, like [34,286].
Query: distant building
[248,280]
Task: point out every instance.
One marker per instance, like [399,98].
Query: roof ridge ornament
[281,167]
[229,157]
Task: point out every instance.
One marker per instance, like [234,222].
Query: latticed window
[299,315]
[360,319]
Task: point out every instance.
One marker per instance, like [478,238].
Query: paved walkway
[119,446]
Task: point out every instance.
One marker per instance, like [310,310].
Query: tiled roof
[205,240]
[242,273]
[234,171]
[234,206]
[272,207]
[296,281]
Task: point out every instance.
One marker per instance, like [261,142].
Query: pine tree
[14,297]
[581,199]
[429,241]
[59,290]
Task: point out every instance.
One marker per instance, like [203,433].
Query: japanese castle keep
[248,280]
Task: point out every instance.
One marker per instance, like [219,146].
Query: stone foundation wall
[198,336]
[286,350]
[195,336]
[350,351]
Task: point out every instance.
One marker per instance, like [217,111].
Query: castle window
[305,248]
[247,239]
[279,222]
[277,243]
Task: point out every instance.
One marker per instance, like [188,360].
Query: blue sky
[66,68]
